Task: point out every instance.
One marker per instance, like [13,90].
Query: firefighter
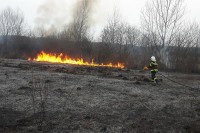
[153,66]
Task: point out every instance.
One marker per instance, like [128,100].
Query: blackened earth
[56,98]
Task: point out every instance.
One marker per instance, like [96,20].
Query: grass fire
[82,67]
[60,58]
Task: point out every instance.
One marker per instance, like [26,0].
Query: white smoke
[56,14]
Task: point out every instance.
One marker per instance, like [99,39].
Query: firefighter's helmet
[153,58]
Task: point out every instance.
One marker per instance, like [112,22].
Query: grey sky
[129,9]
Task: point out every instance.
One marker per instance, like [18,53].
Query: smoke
[53,12]
[165,56]
[59,13]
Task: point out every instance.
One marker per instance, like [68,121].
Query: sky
[130,11]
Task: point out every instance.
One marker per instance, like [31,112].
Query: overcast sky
[129,9]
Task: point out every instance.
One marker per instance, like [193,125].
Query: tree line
[163,33]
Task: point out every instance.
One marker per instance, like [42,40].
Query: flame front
[45,57]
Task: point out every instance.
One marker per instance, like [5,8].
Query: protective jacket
[153,66]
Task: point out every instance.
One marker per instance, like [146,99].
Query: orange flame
[45,57]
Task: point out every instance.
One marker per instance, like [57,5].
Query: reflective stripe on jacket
[153,66]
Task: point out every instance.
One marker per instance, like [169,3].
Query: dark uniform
[153,66]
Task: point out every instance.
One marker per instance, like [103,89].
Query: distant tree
[110,31]
[186,46]
[40,31]
[11,23]
[120,36]
[132,35]
[163,19]
[78,29]
[113,35]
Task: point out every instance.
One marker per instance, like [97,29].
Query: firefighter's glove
[146,68]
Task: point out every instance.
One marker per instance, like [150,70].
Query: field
[58,98]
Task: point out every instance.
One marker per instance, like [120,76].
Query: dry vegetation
[43,97]
[163,33]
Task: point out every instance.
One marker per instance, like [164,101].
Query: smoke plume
[59,13]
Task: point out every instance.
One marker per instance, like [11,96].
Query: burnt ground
[43,97]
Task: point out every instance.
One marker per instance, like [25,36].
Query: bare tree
[163,18]
[40,31]
[114,36]
[186,49]
[109,33]
[77,31]
[120,37]
[11,23]
[79,27]
[132,35]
